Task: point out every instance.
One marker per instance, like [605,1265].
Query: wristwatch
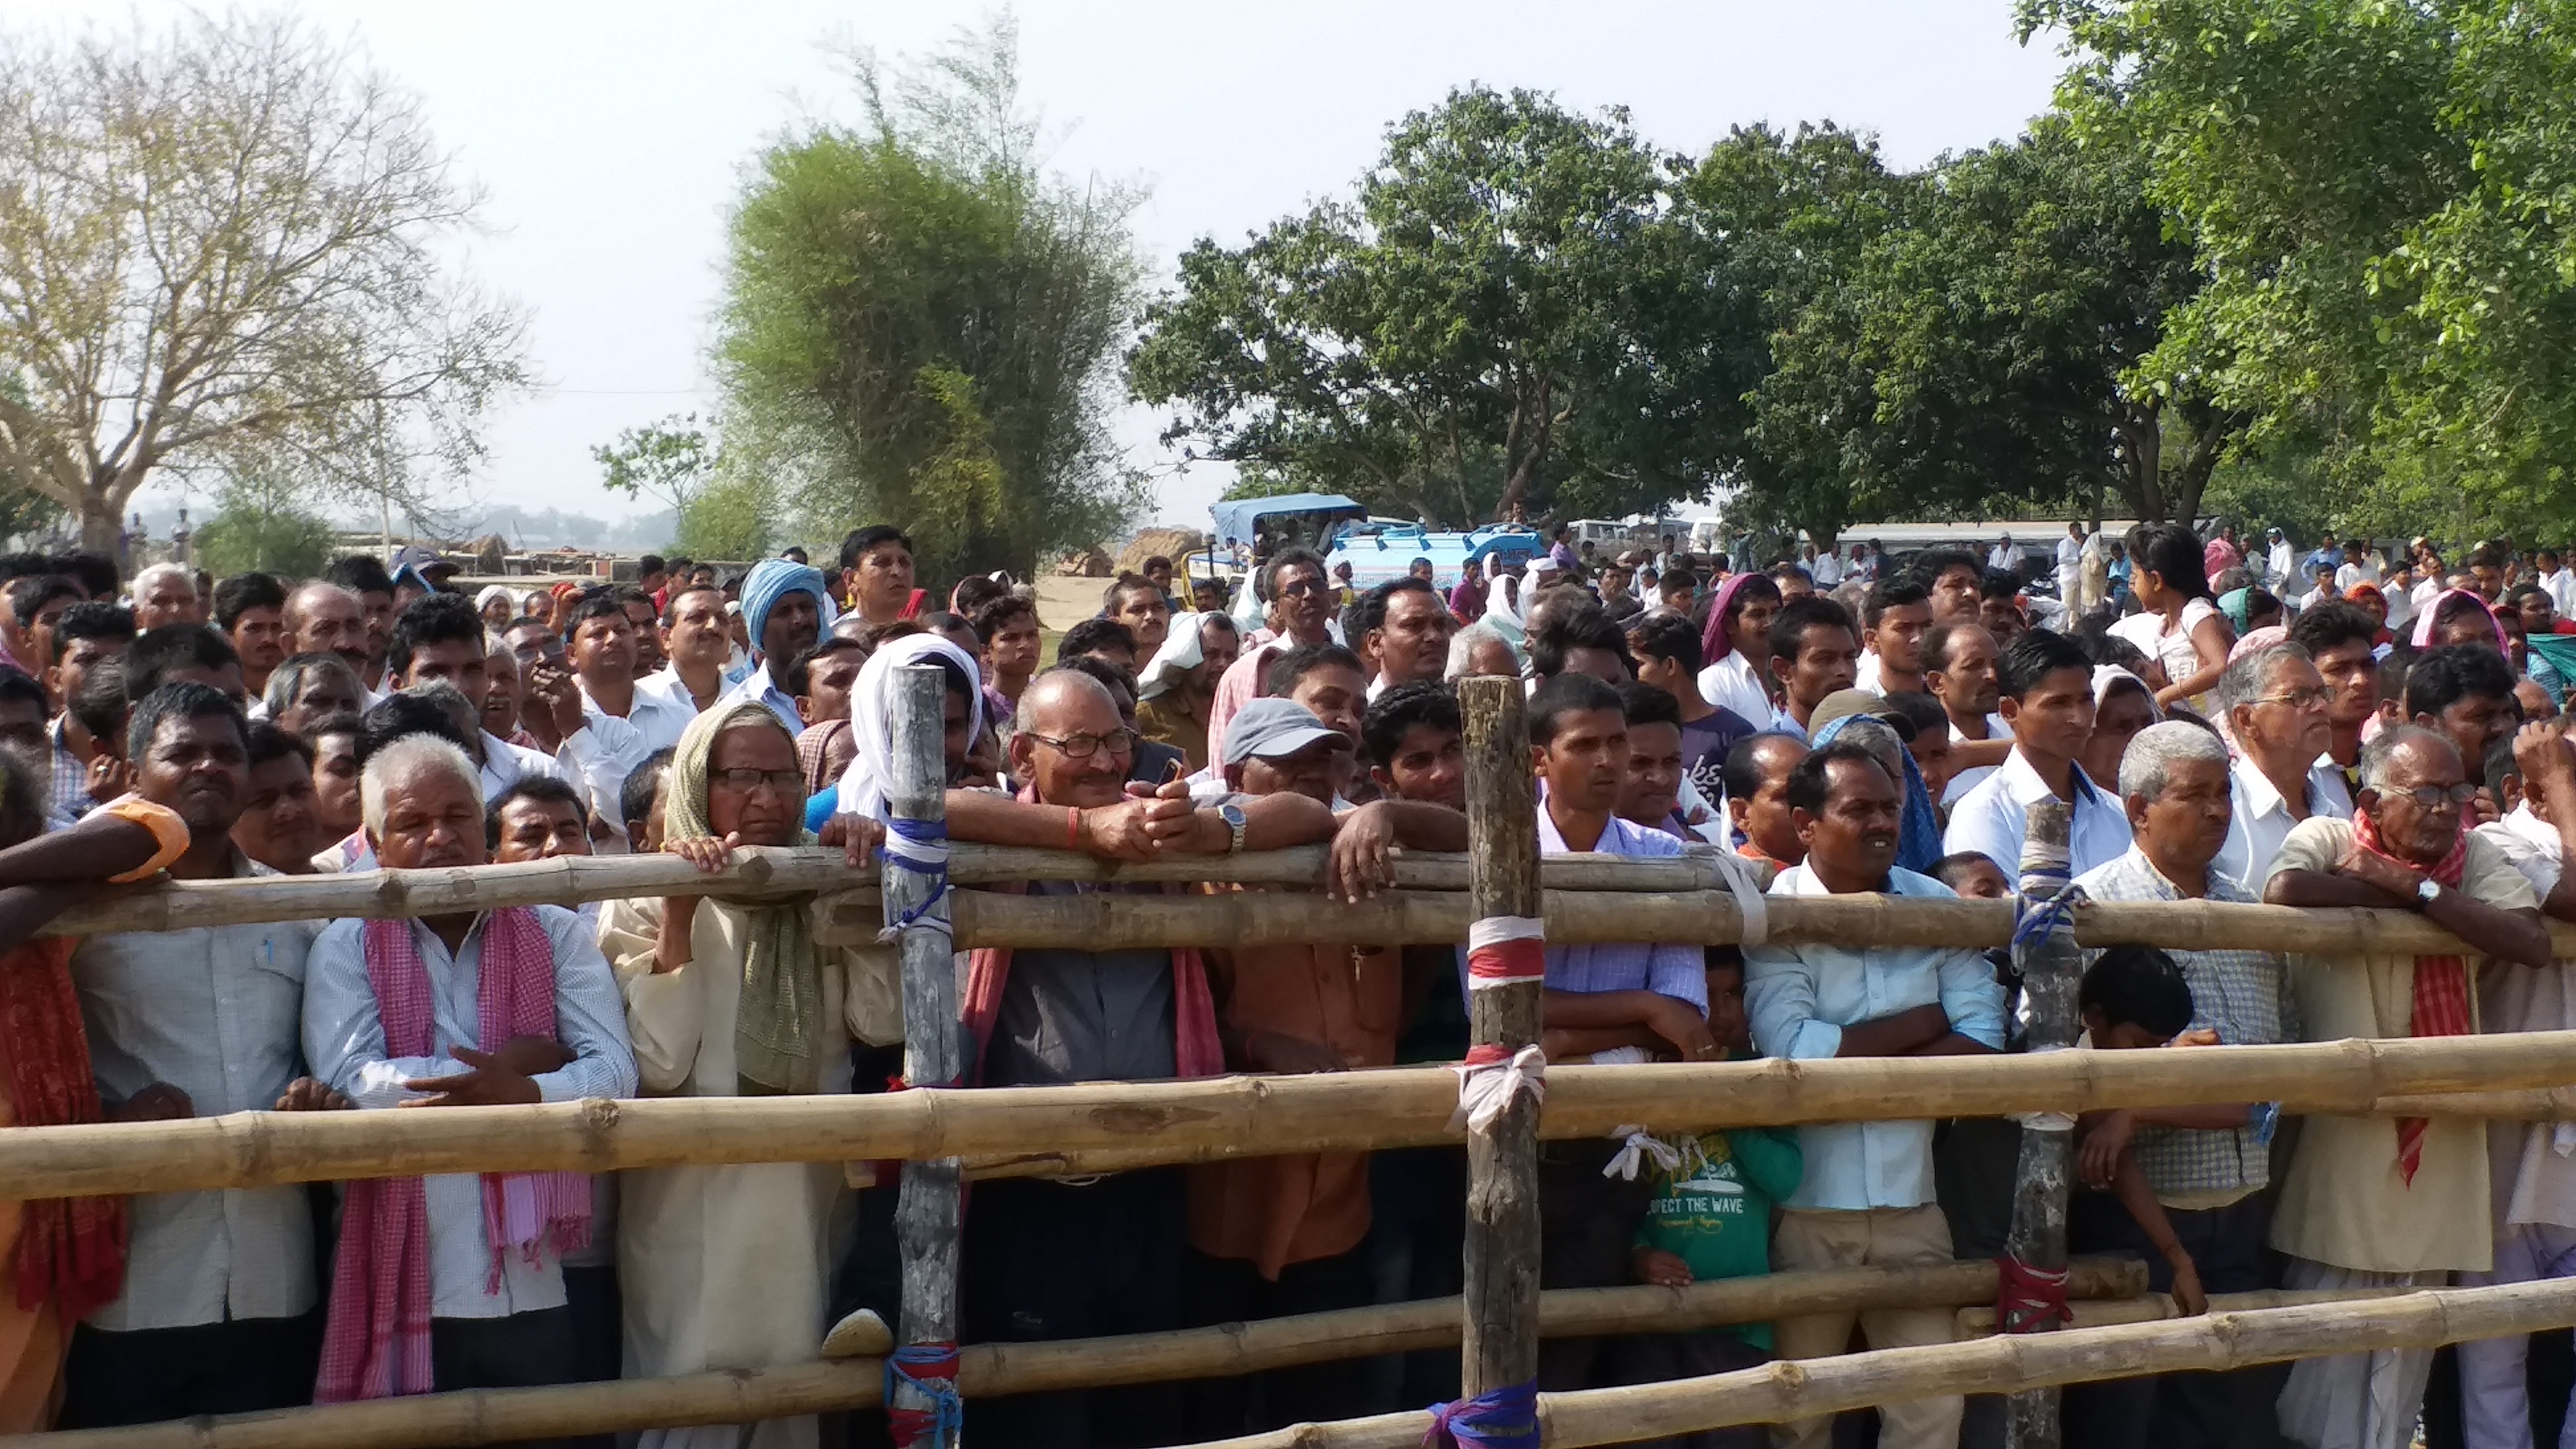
[1232,815]
[2427,891]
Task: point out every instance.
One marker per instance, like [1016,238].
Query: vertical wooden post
[929,1213]
[2051,969]
[1501,1343]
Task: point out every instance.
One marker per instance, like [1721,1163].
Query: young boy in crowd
[1711,1218]
[1971,876]
[2132,998]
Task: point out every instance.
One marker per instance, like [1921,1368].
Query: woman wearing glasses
[2271,703]
[728,1267]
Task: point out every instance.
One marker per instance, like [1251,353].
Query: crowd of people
[1882,726]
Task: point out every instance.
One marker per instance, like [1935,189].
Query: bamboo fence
[1097,1127]
[489,1416]
[1144,1123]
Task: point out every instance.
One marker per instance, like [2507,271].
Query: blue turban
[773,579]
[1918,837]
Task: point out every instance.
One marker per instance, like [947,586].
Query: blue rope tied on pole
[1504,1418]
[941,1425]
[2035,917]
[918,847]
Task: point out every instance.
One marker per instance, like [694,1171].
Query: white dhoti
[2356,1400]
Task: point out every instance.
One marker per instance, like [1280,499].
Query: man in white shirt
[1823,567]
[2275,706]
[697,643]
[2070,561]
[2559,581]
[2004,556]
[495,1314]
[1405,628]
[1894,617]
[439,639]
[2356,568]
[216,1311]
[605,651]
[2399,591]
[1959,671]
[2045,681]
[2280,561]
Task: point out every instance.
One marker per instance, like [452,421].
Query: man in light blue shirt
[1867,1199]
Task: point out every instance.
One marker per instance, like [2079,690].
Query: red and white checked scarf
[2441,985]
[376,1342]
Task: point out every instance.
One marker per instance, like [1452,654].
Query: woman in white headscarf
[872,705]
[1179,683]
[728,1267]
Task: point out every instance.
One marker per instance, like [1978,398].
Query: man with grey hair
[307,689]
[2272,703]
[1480,649]
[466,1009]
[2208,1166]
[324,618]
[166,593]
[2372,1202]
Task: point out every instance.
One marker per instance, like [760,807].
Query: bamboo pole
[1809,1388]
[2051,968]
[930,1210]
[487,1416]
[1225,1117]
[1978,1320]
[1589,898]
[1419,917]
[1500,1344]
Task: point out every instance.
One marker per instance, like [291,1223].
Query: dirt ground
[1064,602]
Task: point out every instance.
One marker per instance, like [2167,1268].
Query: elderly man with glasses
[2274,706]
[2391,1202]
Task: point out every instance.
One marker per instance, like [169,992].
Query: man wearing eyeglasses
[2274,702]
[2378,1201]
[1300,613]
[1080,1259]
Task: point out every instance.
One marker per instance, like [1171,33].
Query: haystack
[1090,563]
[1169,543]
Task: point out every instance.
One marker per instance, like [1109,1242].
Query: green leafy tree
[2380,193]
[1987,354]
[1504,318]
[669,462]
[731,518]
[224,242]
[258,524]
[922,325]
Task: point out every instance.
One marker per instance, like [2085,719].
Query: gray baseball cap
[1275,729]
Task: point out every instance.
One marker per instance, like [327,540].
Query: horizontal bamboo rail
[1101,922]
[1590,898]
[1978,1320]
[1223,1117]
[2006,1363]
[485,1416]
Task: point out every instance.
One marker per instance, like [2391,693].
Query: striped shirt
[2244,996]
[1670,968]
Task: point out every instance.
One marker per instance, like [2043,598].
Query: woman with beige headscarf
[728,1267]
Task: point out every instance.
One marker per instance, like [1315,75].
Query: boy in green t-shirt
[1711,1218]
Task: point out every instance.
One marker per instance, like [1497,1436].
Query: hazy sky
[611,139]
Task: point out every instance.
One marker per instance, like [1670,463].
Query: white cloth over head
[1179,655]
[872,704]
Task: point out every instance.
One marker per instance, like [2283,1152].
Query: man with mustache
[1867,1199]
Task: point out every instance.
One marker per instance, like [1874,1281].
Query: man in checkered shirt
[2207,1165]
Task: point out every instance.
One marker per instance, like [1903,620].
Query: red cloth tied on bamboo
[2441,994]
[70,1250]
[2028,1299]
[1505,950]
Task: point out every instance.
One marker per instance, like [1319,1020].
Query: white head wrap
[490,592]
[863,784]
[1180,654]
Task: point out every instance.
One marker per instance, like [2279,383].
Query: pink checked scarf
[2441,987]
[376,1343]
